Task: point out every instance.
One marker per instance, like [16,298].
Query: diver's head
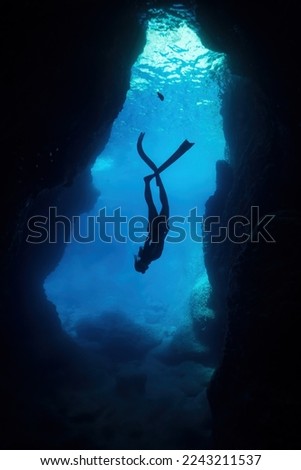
[140,266]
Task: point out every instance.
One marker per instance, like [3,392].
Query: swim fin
[143,155]
[183,148]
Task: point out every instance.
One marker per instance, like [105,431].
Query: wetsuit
[157,223]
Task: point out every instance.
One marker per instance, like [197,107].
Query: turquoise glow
[100,277]
[173,53]
[147,332]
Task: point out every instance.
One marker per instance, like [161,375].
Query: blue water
[102,301]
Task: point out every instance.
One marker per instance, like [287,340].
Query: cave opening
[147,325]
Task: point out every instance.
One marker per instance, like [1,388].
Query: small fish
[160,96]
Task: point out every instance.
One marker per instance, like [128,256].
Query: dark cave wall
[255,392]
[67,70]
[256,283]
[65,73]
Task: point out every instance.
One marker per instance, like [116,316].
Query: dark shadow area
[65,73]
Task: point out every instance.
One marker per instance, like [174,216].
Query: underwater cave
[200,351]
[147,328]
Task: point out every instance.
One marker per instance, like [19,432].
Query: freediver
[157,222]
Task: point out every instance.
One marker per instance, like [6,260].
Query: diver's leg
[163,197]
[152,211]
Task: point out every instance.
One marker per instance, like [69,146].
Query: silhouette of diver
[157,223]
